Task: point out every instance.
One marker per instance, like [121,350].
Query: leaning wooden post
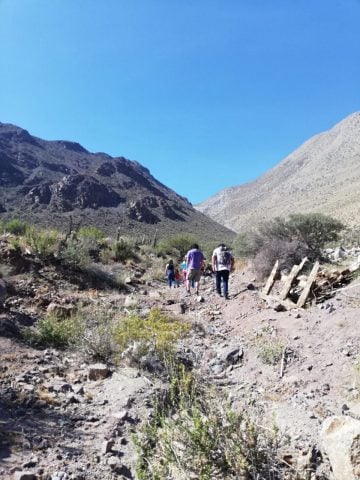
[305,293]
[296,269]
[271,279]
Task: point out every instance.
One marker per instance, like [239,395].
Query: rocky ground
[62,418]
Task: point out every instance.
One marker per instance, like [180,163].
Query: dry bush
[96,341]
[287,252]
[195,434]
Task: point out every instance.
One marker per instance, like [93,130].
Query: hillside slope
[323,175]
[46,182]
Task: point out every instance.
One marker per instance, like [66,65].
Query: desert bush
[91,232]
[350,237]
[42,241]
[16,226]
[312,230]
[287,240]
[96,341]
[105,256]
[177,245]
[248,244]
[75,254]
[287,252]
[195,434]
[123,250]
[315,230]
[15,244]
[268,347]
[55,331]
[157,334]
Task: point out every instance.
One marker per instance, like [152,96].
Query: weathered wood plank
[272,299]
[271,279]
[305,293]
[296,269]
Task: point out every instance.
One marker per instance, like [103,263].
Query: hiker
[195,262]
[177,278]
[222,263]
[170,273]
[184,268]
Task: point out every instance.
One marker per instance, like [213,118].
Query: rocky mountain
[323,175]
[46,182]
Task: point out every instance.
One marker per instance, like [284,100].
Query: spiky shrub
[91,232]
[55,331]
[16,226]
[123,250]
[195,434]
[157,334]
[96,341]
[42,241]
[75,254]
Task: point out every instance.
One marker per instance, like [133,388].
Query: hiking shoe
[227,297]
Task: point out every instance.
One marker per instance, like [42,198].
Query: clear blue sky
[205,93]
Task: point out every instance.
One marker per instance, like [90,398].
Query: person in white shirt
[222,262]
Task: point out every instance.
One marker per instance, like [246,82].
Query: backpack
[224,257]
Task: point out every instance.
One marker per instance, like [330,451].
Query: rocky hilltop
[46,182]
[323,175]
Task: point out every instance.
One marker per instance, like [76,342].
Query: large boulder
[340,437]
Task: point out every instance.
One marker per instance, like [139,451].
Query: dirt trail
[60,425]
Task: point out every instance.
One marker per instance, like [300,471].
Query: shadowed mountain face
[323,175]
[46,182]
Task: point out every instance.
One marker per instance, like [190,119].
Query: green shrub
[313,230]
[123,250]
[156,333]
[55,331]
[268,347]
[96,341]
[177,245]
[106,256]
[16,226]
[75,254]
[195,434]
[91,232]
[288,240]
[42,241]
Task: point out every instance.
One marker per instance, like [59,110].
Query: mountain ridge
[322,175]
[47,181]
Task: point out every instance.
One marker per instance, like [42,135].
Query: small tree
[288,240]
[315,230]
[177,245]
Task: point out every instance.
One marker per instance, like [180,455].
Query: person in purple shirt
[195,261]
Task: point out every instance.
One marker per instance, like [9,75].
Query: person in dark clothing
[170,273]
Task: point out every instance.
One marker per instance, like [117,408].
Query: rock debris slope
[323,175]
[59,419]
